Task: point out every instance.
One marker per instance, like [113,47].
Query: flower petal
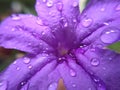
[103,65]
[23,33]
[46,79]
[75,77]
[23,70]
[56,13]
[99,14]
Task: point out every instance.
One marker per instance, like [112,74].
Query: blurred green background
[7,7]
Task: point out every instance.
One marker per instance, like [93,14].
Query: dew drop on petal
[39,21]
[49,3]
[95,62]
[74,85]
[14,62]
[44,1]
[102,9]
[86,22]
[16,17]
[105,23]
[59,6]
[18,68]
[23,83]
[26,60]
[72,73]
[65,24]
[3,85]
[52,86]
[75,4]
[74,20]
[92,49]
[38,3]
[29,66]
[110,36]
[13,29]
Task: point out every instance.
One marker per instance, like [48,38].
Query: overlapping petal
[24,71]
[25,33]
[75,77]
[100,17]
[58,13]
[103,66]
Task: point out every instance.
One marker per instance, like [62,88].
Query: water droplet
[66,24]
[44,1]
[72,73]
[118,7]
[18,68]
[13,29]
[52,13]
[29,44]
[39,21]
[102,9]
[110,36]
[29,66]
[30,15]
[26,60]
[14,62]
[86,22]
[43,33]
[75,4]
[16,17]
[52,86]
[74,85]
[3,85]
[74,20]
[59,6]
[95,61]
[96,80]
[105,23]
[49,3]
[38,3]
[23,83]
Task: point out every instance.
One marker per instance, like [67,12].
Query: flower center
[62,50]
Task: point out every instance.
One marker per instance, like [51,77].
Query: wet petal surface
[27,69]
[22,32]
[55,12]
[102,66]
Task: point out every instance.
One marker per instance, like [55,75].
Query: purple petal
[103,65]
[27,70]
[23,33]
[58,13]
[46,79]
[98,18]
[74,76]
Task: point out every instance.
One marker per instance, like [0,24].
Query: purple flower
[63,44]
